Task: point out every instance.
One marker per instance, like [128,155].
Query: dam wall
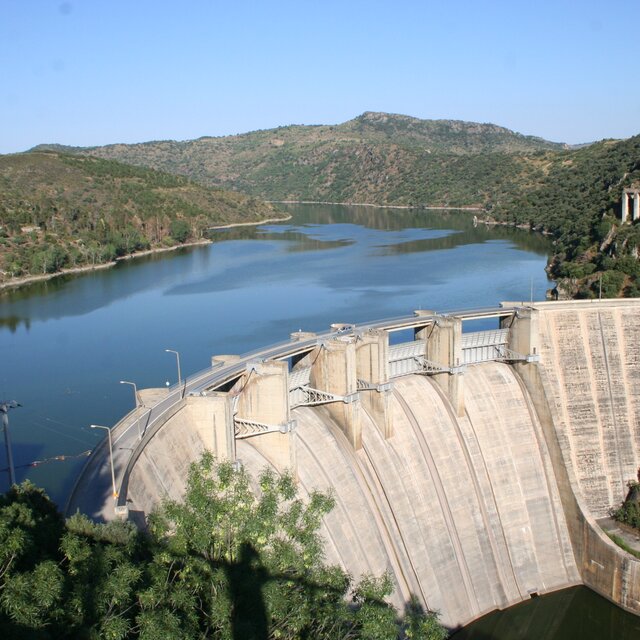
[586,394]
[590,372]
[462,511]
[474,486]
[162,467]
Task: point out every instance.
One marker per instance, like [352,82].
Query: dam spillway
[474,487]
[459,510]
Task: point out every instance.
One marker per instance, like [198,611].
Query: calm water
[572,614]
[66,343]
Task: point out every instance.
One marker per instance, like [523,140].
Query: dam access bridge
[471,465]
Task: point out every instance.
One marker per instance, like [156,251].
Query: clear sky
[91,72]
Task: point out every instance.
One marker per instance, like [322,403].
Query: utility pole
[178,361]
[5,405]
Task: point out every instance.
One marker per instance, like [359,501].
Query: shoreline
[378,206]
[16,283]
[249,224]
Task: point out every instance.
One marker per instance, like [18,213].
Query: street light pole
[135,393]
[113,474]
[178,361]
[4,410]
[135,390]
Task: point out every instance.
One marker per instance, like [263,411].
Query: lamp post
[135,390]
[113,474]
[178,361]
[135,393]
[4,410]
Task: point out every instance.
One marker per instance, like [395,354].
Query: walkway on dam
[630,536]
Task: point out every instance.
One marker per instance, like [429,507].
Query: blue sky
[90,72]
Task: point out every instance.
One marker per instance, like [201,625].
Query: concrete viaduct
[473,466]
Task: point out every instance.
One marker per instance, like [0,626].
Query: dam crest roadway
[473,466]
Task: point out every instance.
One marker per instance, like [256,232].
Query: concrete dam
[473,466]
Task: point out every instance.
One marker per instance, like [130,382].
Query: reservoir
[66,344]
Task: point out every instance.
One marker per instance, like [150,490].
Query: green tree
[104,566]
[49,260]
[31,583]
[180,230]
[612,282]
[247,563]
[234,563]
[237,558]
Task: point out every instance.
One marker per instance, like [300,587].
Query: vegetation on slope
[377,157]
[629,512]
[60,211]
[577,199]
[221,564]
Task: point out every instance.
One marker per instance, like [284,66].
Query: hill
[60,211]
[576,199]
[377,157]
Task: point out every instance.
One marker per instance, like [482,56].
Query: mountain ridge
[375,157]
[371,118]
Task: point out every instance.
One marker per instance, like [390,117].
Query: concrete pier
[630,196]
[212,418]
[444,349]
[262,413]
[334,372]
[524,333]
[372,372]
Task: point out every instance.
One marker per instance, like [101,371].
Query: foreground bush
[231,561]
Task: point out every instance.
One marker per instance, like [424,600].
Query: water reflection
[458,227]
[300,239]
[76,295]
[13,322]
[368,232]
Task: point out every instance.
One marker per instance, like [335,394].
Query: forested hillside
[59,211]
[377,157]
[577,200]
